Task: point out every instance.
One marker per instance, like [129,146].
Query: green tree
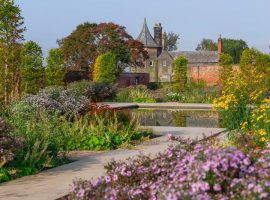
[105,68]
[225,63]
[234,48]
[55,69]
[88,41]
[172,41]
[180,74]
[207,45]
[32,70]
[11,35]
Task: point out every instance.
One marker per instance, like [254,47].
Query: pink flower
[81,193]
[217,187]
[170,136]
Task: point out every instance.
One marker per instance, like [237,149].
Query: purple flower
[81,193]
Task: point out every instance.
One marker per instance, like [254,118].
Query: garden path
[55,183]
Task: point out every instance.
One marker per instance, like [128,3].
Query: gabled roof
[198,56]
[146,38]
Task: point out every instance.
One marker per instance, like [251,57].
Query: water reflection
[177,118]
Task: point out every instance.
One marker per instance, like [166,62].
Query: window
[164,63]
[151,63]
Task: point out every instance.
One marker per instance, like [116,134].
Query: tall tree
[32,70]
[83,45]
[105,68]
[172,41]
[55,69]
[234,48]
[11,35]
[180,74]
[207,45]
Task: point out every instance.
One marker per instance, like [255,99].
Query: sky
[49,20]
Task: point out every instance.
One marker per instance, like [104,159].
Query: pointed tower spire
[146,38]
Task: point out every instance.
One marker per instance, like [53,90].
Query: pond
[177,118]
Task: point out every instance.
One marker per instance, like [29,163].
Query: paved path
[54,183]
[167,105]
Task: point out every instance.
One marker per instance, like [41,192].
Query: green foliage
[207,45]
[32,71]
[172,41]
[102,133]
[11,35]
[55,69]
[180,74]
[234,48]
[225,63]
[105,68]
[139,94]
[196,92]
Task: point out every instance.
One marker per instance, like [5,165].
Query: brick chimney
[219,45]
[158,34]
[164,41]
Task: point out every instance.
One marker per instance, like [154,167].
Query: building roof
[198,56]
[146,38]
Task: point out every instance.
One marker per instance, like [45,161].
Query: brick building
[201,64]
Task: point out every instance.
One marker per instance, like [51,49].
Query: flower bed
[186,171]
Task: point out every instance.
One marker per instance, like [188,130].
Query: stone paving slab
[55,183]
[167,105]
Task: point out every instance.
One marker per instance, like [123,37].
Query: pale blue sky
[49,20]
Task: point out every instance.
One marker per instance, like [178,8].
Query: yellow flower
[263,139]
[244,124]
[262,132]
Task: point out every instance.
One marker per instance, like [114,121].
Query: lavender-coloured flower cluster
[187,171]
[72,101]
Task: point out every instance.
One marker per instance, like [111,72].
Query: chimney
[219,45]
[164,41]
[158,34]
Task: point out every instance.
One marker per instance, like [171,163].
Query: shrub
[42,139]
[71,101]
[241,91]
[103,128]
[180,74]
[196,92]
[93,91]
[187,171]
[105,68]
[139,94]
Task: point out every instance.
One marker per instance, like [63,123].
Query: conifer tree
[180,74]
[105,68]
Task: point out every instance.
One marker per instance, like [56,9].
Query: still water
[177,118]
